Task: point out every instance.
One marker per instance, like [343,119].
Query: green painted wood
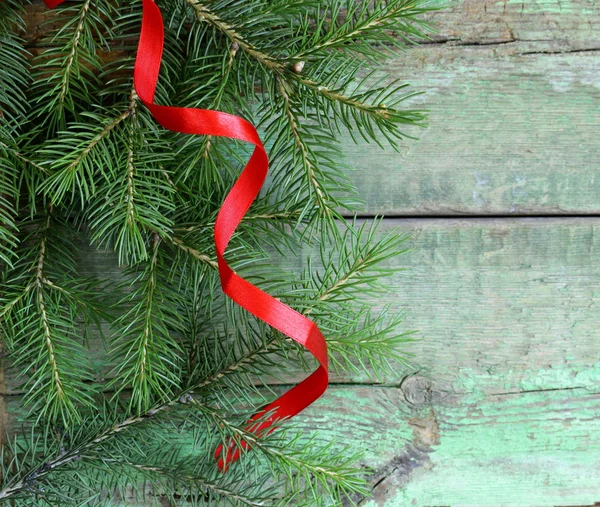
[510,133]
[530,449]
[514,99]
[501,305]
[504,408]
[501,406]
[506,21]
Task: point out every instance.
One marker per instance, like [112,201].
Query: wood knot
[418,391]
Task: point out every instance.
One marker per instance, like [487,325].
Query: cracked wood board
[505,375]
[522,450]
[511,132]
[568,24]
[504,410]
[500,305]
[513,90]
[573,23]
[514,93]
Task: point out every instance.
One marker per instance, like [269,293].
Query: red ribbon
[236,204]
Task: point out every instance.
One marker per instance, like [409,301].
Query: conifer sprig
[42,308]
[64,74]
[184,367]
[147,356]
[8,196]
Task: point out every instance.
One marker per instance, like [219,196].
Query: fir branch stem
[23,158]
[71,58]
[16,300]
[97,138]
[39,285]
[130,178]
[30,162]
[379,110]
[142,366]
[308,165]
[196,480]
[193,252]
[204,13]
[130,157]
[280,67]
[245,359]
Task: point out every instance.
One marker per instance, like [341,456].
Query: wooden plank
[504,408]
[570,24]
[567,24]
[510,132]
[537,449]
[501,305]
[533,449]
[514,95]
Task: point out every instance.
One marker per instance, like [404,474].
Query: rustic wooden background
[501,198]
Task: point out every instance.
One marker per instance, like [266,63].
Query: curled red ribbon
[236,204]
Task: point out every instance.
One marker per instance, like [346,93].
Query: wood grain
[530,449]
[511,132]
[569,25]
[514,96]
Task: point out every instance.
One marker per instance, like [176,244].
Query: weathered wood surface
[432,448]
[503,406]
[504,409]
[514,94]
[502,398]
[513,91]
[510,133]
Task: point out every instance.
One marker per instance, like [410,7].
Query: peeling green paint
[548,6]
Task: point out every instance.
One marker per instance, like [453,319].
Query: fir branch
[158,475]
[70,60]
[8,195]
[319,193]
[357,264]
[386,116]
[302,464]
[64,74]
[338,478]
[152,197]
[14,78]
[147,357]
[75,160]
[133,200]
[204,13]
[41,318]
[56,377]
[360,341]
[358,27]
